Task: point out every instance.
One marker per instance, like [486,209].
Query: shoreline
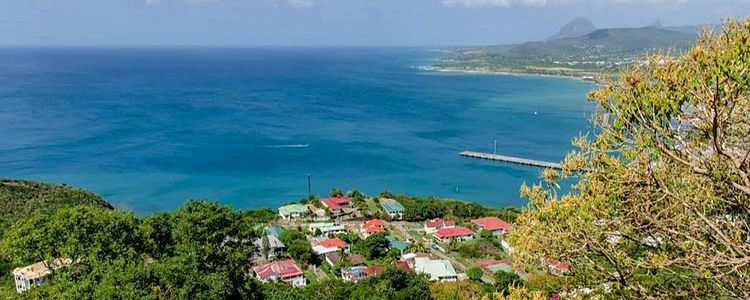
[482,71]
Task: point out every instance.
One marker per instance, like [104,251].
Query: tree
[374,246]
[266,247]
[336,192]
[475,273]
[505,280]
[456,290]
[663,208]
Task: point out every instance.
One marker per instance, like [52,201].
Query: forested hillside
[20,199]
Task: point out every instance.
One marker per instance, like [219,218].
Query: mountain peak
[578,27]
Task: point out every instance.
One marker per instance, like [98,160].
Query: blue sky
[332,22]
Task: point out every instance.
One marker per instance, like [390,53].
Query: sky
[332,22]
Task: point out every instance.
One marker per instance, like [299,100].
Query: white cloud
[504,3]
[292,3]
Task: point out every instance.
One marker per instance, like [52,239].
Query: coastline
[598,79]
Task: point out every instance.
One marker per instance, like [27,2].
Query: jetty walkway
[511,159]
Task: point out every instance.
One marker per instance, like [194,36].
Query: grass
[311,278]
[373,207]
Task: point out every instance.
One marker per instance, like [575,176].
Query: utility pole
[309,185]
[495,149]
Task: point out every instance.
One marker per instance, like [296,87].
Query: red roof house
[286,271]
[496,225]
[459,233]
[336,203]
[333,243]
[373,226]
[439,223]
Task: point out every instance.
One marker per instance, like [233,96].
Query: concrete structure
[495,225]
[326,228]
[292,211]
[286,271]
[445,235]
[275,246]
[438,270]
[431,226]
[36,274]
[393,208]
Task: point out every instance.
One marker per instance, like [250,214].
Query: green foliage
[335,192]
[505,280]
[298,247]
[374,246]
[475,273]
[21,199]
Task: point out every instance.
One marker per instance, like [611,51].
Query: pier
[511,159]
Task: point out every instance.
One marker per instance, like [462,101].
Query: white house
[36,274]
[438,270]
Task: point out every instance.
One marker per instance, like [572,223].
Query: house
[318,214]
[326,228]
[409,258]
[397,244]
[329,245]
[37,274]
[273,230]
[358,273]
[275,246]
[431,226]
[444,235]
[338,206]
[495,225]
[438,270]
[286,271]
[393,208]
[333,258]
[403,266]
[356,260]
[292,211]
[372,226]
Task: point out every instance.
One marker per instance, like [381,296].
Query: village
[437,247]
[321,239]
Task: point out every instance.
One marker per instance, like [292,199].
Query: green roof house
[292,211]
[393,208]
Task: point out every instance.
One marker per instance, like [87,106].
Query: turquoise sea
[148,128]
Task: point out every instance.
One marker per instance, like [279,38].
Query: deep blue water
[148,128]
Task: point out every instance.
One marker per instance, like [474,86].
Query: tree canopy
[663,208]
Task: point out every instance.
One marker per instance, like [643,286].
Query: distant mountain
[608,42]
[577,27]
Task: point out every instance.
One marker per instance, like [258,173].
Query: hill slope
[20,199]
[577,27]
[615,41]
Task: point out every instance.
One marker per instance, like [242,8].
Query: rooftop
[294,208]
[273,242]
[38,270]
[335,202]
[453,232]
[374,222]
[396,243]
[391,206]
[435,268]
[283,269]
[333,243]
[273,230]
[439,223]
[492,223]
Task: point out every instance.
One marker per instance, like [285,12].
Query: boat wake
[289,146]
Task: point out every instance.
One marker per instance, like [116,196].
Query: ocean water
[148,128]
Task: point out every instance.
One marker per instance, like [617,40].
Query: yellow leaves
[518,294]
